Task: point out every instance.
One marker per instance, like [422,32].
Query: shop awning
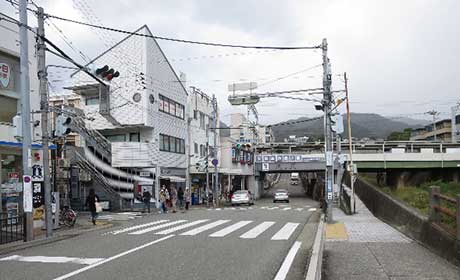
[173,178]
[19,145]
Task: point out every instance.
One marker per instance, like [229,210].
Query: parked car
[281,195]
[242,197]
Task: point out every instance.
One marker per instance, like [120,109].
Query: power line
[290,75]
[295,122]
[182,40]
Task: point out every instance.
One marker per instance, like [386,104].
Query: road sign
[338,124]
[28,194]
[265,166]
[242,86]
[215,162]
[144,174]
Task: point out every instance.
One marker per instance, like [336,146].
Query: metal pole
[25,107]
[350,148]
[207,171]
[42,76]
[454,123]
[328,131]
[216,171]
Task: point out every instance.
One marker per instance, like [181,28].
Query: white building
[142,117]
[247,132]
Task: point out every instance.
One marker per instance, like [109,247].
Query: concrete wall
[408,221]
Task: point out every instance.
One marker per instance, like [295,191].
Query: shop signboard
[27,196]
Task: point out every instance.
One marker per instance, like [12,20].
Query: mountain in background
[363,125]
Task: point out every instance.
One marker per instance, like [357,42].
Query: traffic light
[63,125]
[106,73]
[238,145]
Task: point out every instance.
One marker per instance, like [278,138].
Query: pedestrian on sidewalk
[187,198]
[180,198]
[164,195]
[173,198]
[146,196]
[91,201]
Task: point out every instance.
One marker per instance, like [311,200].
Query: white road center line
[197,230]
[285,232]
[225,231]
[73,273]
[171,230]
[284,269]
[138,227]
[256,231]
[157,227]
[287,208]
[45,259]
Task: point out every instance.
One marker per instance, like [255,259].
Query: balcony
[132,154]
[7,132]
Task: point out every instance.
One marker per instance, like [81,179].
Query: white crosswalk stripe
[287,208]
[230,229]
[177,228]
[299,209]
[285,232]
[157,227]
[256,231]
[198,230]
[311,209]
[138,227]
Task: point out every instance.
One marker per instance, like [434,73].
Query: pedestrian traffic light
[63,125]
[106,73]
[238,145]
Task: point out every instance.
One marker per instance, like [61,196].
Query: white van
[295,178]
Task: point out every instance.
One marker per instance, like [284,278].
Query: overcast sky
[401,57]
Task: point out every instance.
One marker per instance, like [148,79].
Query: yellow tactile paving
[336,231]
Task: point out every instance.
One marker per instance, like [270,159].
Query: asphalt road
[224,243]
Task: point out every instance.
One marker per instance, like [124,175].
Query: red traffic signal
[107,73]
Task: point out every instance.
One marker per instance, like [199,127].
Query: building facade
[439,131]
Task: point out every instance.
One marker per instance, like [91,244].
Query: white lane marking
[223,232]
[287,208]
[263,207]
[311,209]
[197,230]
[299,209]
[78,271]
[271,208]
[45,259]
[142,231]
[256,231]
[171,230]
[285,232]
[284,269]
[138,226]
[218,209]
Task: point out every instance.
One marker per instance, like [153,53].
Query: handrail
[436,208]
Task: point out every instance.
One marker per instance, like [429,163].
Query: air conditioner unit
[62,162]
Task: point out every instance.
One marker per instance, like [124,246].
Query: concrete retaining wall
[408,221]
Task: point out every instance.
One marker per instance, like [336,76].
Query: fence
[436,209]
[11,228]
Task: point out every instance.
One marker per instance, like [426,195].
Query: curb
[15,246]
[316,259]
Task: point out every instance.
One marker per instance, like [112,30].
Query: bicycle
[67,217]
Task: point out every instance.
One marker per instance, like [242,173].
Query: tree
[400,136]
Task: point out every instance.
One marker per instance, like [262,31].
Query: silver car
[242,197]
[281,195]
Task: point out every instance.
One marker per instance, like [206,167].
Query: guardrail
[436,209]
[11,228]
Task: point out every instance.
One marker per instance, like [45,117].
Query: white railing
[7,132]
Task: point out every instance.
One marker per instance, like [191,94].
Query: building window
[202,151]
[116,138]
[171,107]
[202,120]
[93,100]
[135,137]
[8,109]
[172,144]
[196,148]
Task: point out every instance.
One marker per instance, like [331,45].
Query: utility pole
[216,172]
[350,148]
[25,112]
[206,161]
[327,98]
[43,90]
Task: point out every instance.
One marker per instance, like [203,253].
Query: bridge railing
[436,208]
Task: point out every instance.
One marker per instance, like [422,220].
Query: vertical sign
[265,166]
[27,197]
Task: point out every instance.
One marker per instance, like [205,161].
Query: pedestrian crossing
[214,228]
[283,208]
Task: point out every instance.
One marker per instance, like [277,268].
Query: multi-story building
[10,119]
[247,132]
[439,131]
[201,134]
[134,133]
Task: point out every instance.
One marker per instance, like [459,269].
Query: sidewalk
[363,247]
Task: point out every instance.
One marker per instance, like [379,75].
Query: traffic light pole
[327,99]
[43,90]
[25,111]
